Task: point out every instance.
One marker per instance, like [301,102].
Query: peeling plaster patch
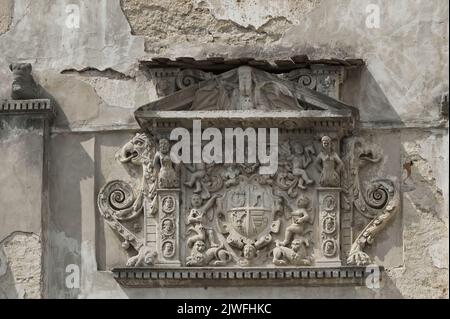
[419,278]
[257,12]
[429,154]
[116,88]
[425,231]
[6,8]
[102,40]
[164,24]
[23,254]
[439,254]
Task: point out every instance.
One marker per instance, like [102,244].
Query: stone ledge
[195,277]
[27,107]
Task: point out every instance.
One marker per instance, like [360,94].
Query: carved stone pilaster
[168,222]
[329,226]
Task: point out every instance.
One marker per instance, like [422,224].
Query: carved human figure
[198,171]
[200,256]
[196,221]
[329,164]
[300,161]
[299,217]
[296,255]
[167,176]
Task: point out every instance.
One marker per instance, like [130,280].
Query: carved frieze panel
[228,215]
[321,78]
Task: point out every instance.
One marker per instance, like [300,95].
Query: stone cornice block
[35,107]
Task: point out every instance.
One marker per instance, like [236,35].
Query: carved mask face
[249,252]
[168,204]
[148,259]
[303,202]
[295,245]
[168,249]
[167,226]
[164,146]
[298,148]
[329,224]
[326,143]
[196,201]
[329,247]
[200,246]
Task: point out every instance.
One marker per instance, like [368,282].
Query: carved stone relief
[229,215]
[323,79]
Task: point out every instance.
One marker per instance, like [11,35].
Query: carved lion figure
[296,255]
[23,86]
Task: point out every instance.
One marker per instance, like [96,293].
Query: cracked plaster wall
[20,276]
[92,73]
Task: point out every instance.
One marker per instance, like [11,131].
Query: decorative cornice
[189,276]
[35,107]
[220,64]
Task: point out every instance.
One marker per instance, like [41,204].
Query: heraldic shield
[248,221]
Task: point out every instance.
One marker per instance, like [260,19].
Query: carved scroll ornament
[379,202]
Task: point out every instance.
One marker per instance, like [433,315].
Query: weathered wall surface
[21,143]
[90,68]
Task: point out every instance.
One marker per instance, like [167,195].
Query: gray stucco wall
[91,71]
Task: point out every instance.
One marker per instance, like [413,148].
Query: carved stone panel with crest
[228,216]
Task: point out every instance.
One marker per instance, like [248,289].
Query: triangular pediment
[247,89]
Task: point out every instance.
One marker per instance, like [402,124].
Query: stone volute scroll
[219,222]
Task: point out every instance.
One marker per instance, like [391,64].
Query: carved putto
[300,217]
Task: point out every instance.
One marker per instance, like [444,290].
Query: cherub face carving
[196,201]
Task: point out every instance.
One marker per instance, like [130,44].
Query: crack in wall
[6,15]
[94,72]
